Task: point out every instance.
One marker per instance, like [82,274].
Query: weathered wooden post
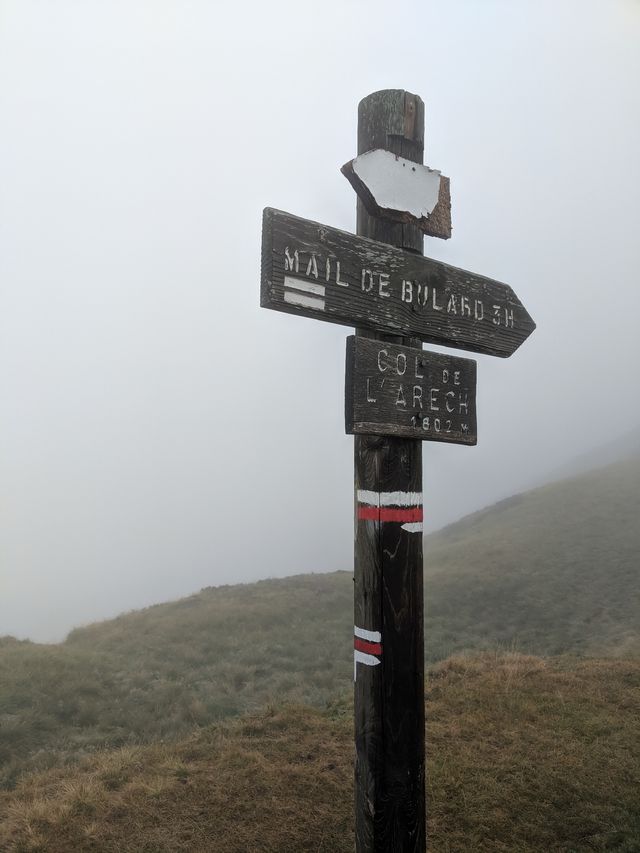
[396,396]
[388,605]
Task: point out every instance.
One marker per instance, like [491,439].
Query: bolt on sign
[404,391]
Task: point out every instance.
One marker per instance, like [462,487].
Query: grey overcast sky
[146,450]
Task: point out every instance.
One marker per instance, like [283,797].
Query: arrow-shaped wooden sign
[321,272]
[401,190]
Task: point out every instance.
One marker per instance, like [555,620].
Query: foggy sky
[159,431]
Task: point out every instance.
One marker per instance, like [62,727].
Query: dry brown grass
[528,755]
[274,782]
[524,756]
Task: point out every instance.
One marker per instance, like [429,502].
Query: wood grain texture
[403,391]
[389,699]
[392,119]
[388,290]
[388,586]
[439,223]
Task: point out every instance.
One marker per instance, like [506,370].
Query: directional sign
[403,391]
[401,190]
[321,272]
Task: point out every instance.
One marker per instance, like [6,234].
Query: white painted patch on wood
[305,286]
[363,657]
[294,298]
[308,294]
[389,498]
[398,184]
[371,636]
[413,527]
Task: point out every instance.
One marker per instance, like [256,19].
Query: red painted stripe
[411,513]
[367,647]
[386,513]
[369,513]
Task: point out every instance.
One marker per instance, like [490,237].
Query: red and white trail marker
[404,508]
[367,648]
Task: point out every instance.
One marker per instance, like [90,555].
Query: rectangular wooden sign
[403,391]
[321,272]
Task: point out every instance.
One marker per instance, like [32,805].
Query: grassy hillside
[554,571]
[523,755]
[159,672]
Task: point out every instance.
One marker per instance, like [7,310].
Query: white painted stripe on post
[363,634]
[413,527]
[306,286]
[366,497]
[389,498]
[305,301]
[361,657]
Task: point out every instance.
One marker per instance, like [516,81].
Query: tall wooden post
[389,634]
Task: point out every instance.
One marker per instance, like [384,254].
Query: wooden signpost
[396,396]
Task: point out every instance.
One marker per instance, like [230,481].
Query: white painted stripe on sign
[304,285]
[389,498]
[413,527]
[305,301]
[372,636]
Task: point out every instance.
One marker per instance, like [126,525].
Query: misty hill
[159,672]
[553,571]
[624,446]
[523,755]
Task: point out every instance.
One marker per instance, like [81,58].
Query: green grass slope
[553,571]
[159,672]
[523,755]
